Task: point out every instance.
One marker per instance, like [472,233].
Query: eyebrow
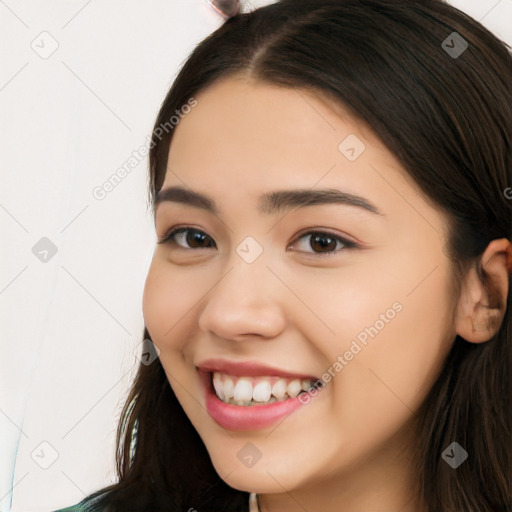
[270,202]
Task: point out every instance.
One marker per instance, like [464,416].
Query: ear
[482,305]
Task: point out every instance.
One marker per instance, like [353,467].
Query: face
[350,287]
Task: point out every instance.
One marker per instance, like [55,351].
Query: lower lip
[242,417]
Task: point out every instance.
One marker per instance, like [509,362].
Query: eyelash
[169,239]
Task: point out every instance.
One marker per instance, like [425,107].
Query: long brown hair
[448,119]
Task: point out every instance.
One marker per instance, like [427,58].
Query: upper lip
[248,368]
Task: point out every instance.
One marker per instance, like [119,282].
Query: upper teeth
[243,390]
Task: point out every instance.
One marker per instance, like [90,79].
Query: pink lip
[254,417]
[249,369]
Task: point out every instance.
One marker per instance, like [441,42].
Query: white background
[71,326]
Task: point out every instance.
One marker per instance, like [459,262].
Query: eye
[195,238]
[321,242]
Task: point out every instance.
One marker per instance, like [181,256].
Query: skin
[298,309]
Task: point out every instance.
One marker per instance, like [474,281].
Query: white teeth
[305,384]
[243,390]
[249,391]
[293,388]
[219,387]
[261,391]
[229,387]
[279,389]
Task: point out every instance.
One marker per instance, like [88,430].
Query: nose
[246,302]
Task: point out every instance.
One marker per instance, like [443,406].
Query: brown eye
[321,242]
[188,238]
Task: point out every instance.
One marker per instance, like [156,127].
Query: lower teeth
[232,401]
[273,399]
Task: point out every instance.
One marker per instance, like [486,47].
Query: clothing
[73,508]
[253,502]
[253,505]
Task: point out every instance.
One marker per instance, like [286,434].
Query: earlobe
[482,304]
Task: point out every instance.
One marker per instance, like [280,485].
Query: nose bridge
[243,301]
[248,277]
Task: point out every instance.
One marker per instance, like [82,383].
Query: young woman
[330,293]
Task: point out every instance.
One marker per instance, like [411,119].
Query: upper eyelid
[348,244]
[180,229]
[325,231]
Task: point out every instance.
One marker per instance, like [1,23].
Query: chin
[263,477]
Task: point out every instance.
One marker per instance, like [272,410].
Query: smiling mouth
[252,391]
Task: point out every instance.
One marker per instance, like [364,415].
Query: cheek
[384,384]
[392,336]
[168,302]
[408,353]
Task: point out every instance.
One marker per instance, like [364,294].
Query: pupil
[321,240]
[195,238]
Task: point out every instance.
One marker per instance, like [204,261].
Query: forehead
[258,111]
[236,117]
[249,137]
